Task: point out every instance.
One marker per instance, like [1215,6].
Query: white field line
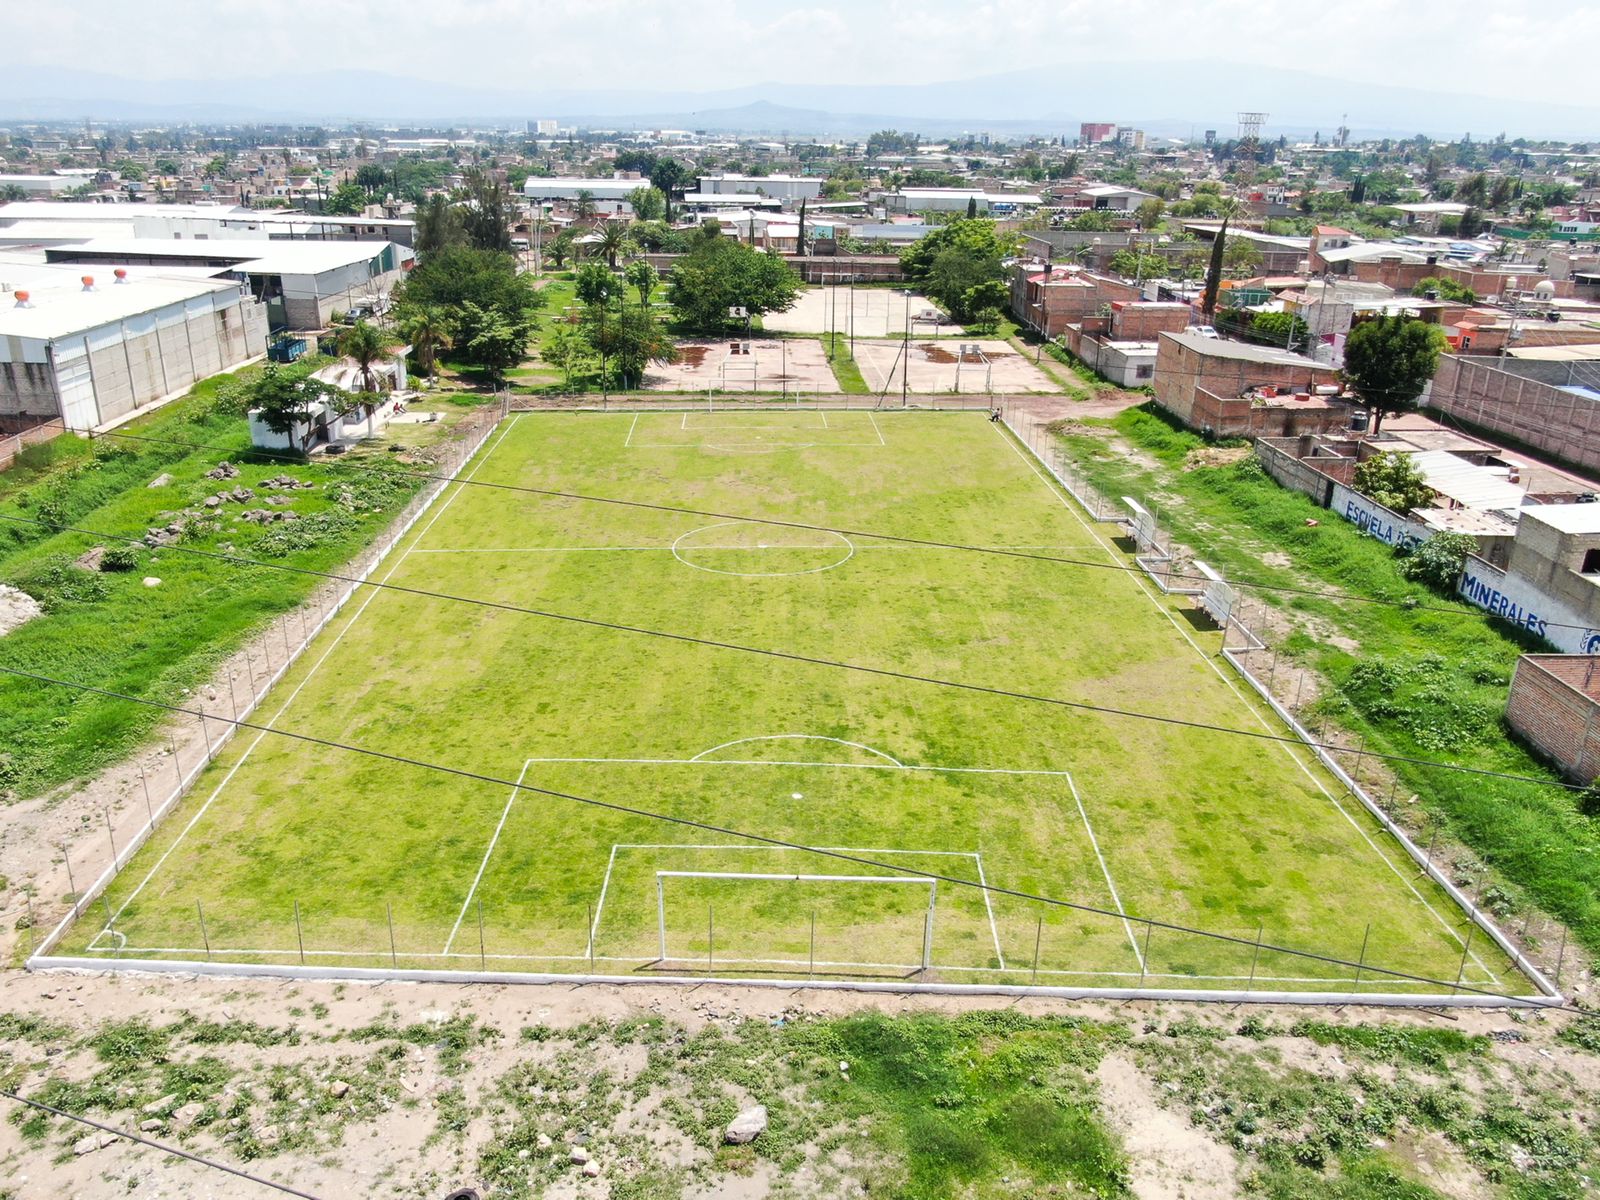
[994,930]
[1105,870]
[798,737]
[1293,754]
[875,428]
[482,866]
[824,417]
[632,425]
[762,762]
[739,445]
[198,951]
[605,886]
[372,594]
[666,548]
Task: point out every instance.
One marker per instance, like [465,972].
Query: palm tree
[366,344]
[583,209]
[429,333]
[613,241]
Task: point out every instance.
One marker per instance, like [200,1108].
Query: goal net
[828,923]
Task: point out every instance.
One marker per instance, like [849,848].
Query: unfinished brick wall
[1142,322]
[1555,705]
[1563,424]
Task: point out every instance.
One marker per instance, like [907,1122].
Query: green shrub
[1438,561]
[56,583]
[120,558]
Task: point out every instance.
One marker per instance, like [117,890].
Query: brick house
[1234,389]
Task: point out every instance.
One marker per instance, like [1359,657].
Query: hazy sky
[1448,45]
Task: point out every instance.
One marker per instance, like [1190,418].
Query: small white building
[537,188]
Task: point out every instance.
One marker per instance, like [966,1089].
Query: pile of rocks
[284,483]
[238,495]
[267,516]
[223,470]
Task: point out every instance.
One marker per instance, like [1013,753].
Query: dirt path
[1171,1159]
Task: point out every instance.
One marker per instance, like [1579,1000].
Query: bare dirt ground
[432,1131]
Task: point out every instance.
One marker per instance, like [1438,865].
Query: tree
[583,206]
[1471,223]
[490,211]
[1227,210]
[671,178]
[1240,258]
[429,332]
[972,208]
[1150,213]
[1388,361]
[560,248]
[458,274]
[630,338]
[1394,481]
[1446,289]
[567,348]
[720,273]
[648,203]
[284,397]
[957,257]
[1280,328]
[493,339]
[1439,560]
[438,225]
[347,200]
[613,242]
[372,178]
[596,283]
[366,344]
[643,278]
[1096,220]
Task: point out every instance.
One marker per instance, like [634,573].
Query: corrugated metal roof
[1468,485]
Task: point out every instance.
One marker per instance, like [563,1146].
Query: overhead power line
[212,1163]
[343,465]
[806,659]
[520,785]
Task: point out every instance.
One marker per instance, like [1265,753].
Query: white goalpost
[757,877]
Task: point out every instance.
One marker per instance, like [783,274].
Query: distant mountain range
[1174,99]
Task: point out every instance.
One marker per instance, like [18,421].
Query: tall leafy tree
[643,278]
[720,273]
[957,257]
[284,398]
[489,212]
[438,225]
[1388,361]
[493,339]
[1227,209]
[648,203]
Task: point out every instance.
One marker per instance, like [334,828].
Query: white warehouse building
[537,188]
[91,348]
[778,187]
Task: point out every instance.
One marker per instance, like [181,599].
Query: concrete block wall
[1562,424]
[1555,705]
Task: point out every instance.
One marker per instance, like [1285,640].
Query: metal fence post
[1144,958]
[588,933]
[299,934]
[711,941]
[1038,936]
[1466,948]
[111,835]
[148,807]
[394,955]
[71,882]
[1255,956]
[483,958]
[811,969]
[205,938]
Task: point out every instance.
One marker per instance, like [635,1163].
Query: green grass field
[1134,818]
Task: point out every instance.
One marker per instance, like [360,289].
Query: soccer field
[293,851]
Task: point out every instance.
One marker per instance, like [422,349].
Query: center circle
[758,551]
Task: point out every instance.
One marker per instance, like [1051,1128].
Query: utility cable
[521,785]
[930,543]
[166,1149]
[806,659]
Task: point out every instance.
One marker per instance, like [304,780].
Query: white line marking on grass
[483,866]
[824,416]
[798,737]
[372,594]
[634,424]
[1105,870]
[761,762]
[1291,751]
[876,429]
[994,929]
[605,885]
[850,553]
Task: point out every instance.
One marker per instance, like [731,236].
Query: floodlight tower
[1250,124]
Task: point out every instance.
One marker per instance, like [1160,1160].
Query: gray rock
[90,1142]
[188,1114]
[151,581]
[338,1088]
[578,1156]
[268,1133]
[150,1125]
[747,1126]
[543,1141]
[160,481]
[591,1169]
[161,1105]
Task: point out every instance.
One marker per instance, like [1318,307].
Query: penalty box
[708,428]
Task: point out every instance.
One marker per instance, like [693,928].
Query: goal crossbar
[790,877]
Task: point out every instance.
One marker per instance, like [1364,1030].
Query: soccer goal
[750,912]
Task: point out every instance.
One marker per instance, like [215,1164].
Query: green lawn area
[1428,684]
[111,631]
[844,365]
[1137,819]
